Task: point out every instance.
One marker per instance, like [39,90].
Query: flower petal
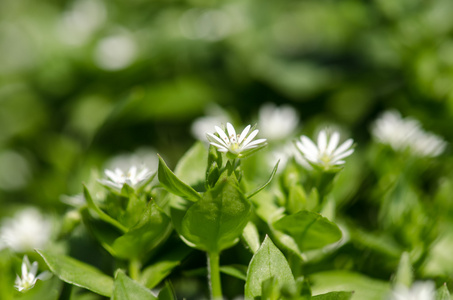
[250,138]
[231,133]
[333,142]
[244,134]
[343,147]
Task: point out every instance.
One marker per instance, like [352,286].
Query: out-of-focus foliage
[83,81]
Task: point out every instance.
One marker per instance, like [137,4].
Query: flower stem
[134,269]
[214,275]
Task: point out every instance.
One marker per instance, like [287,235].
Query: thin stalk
[65,292]
[214,275]
[134,269]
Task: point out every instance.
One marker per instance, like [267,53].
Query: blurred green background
[84,80]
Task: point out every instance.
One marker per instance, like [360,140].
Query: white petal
[322,141]
[333,143]
[255,143]
[215,139]
[231,132]
[219,146]
[343,147]
[244,134]
[309,146]
[344,154]
[44,275]
[250,138]
[34,268]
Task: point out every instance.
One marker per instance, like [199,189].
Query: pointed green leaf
[191,166]
[102,215]
[309,230]
[217,220]
[251,237]
[363,286]
[78,273]
[334,296]
[167,292]
[238,271]
[404,272]
[127,289]
[443,293]
[155,273]
[173,184]
[266,183]
[153,228]
[268,262]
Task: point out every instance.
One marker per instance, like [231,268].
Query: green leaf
[155,273]
[268,262]
[251,237]
[237,271]
[309,230]
[127,289]
[174,185]
[270,289]
[404,272]
[363,287]
[167,292]
[78,273]
[443,293]
[266,183]
[102,215]
[334,296]
[297,199]
[217,220]
[191,166]
[153,228]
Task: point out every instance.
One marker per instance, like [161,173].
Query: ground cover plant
[191,149]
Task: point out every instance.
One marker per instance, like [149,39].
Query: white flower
[420,290]
[406,134]
[213,115]
[326,154]
[117,178]
[26,231]
[236,145]
[277,123]
[28,278]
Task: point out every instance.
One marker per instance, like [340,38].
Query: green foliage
[125,288]
[78,273]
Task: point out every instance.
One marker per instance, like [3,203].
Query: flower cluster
[406,134]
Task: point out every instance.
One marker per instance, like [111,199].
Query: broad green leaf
[238,271]
[102,215]
[153,228]
[191,168]
[363,286]
[309,230]
[125,288]
[334,296]
[404,272]
[443,293]
[167,292]
[217,220]
[268,262]
[251,237]
[155,273]
[270,289]
[173,184]
[266,183]
[78,273]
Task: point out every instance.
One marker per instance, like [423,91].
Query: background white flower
[27,230]
[420,290]
[238,145]
[133,177]
[277,122]
[406,134]
[326,154]
[28,277]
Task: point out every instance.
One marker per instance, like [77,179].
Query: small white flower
[326,154]
[27,230]
[236,145]
[420,290]
[117,178]
[277,123]
[406,134]
[28,278]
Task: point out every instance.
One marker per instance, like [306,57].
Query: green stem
[65,292]
[214,275]
[134,269]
